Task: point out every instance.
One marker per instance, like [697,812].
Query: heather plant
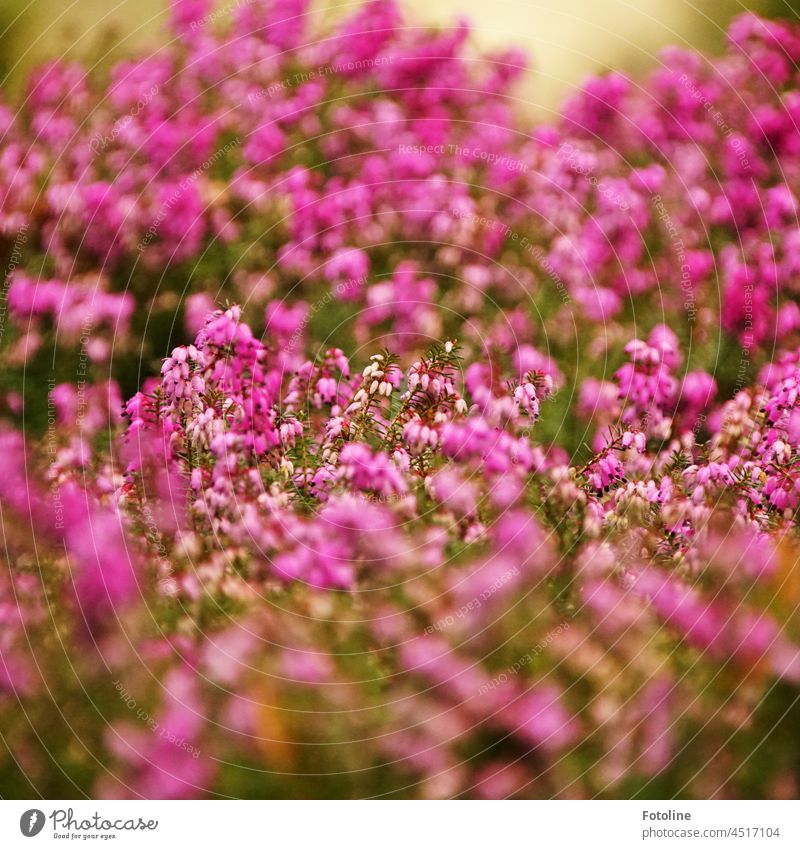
[362,437]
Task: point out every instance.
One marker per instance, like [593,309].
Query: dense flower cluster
[479,474]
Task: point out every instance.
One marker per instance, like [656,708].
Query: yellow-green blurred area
[568,39]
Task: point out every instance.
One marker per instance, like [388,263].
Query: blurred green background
[567,38]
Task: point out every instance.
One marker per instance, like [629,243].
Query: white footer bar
[401,824]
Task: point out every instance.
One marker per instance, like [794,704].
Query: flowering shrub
[361,439]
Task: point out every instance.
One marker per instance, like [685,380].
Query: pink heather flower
[188,15]
[104,566]
[635,440]
[419,436]
[368,471]
[165,758]
[697,393]
[75,308]
[306,667]
[701,623]
[597,398]
[278,22]
[283,320]
[458,495]
[346,271]
[198,306]
[265,144]
[540,718]
[500,780]
[525,396]
[606,472]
